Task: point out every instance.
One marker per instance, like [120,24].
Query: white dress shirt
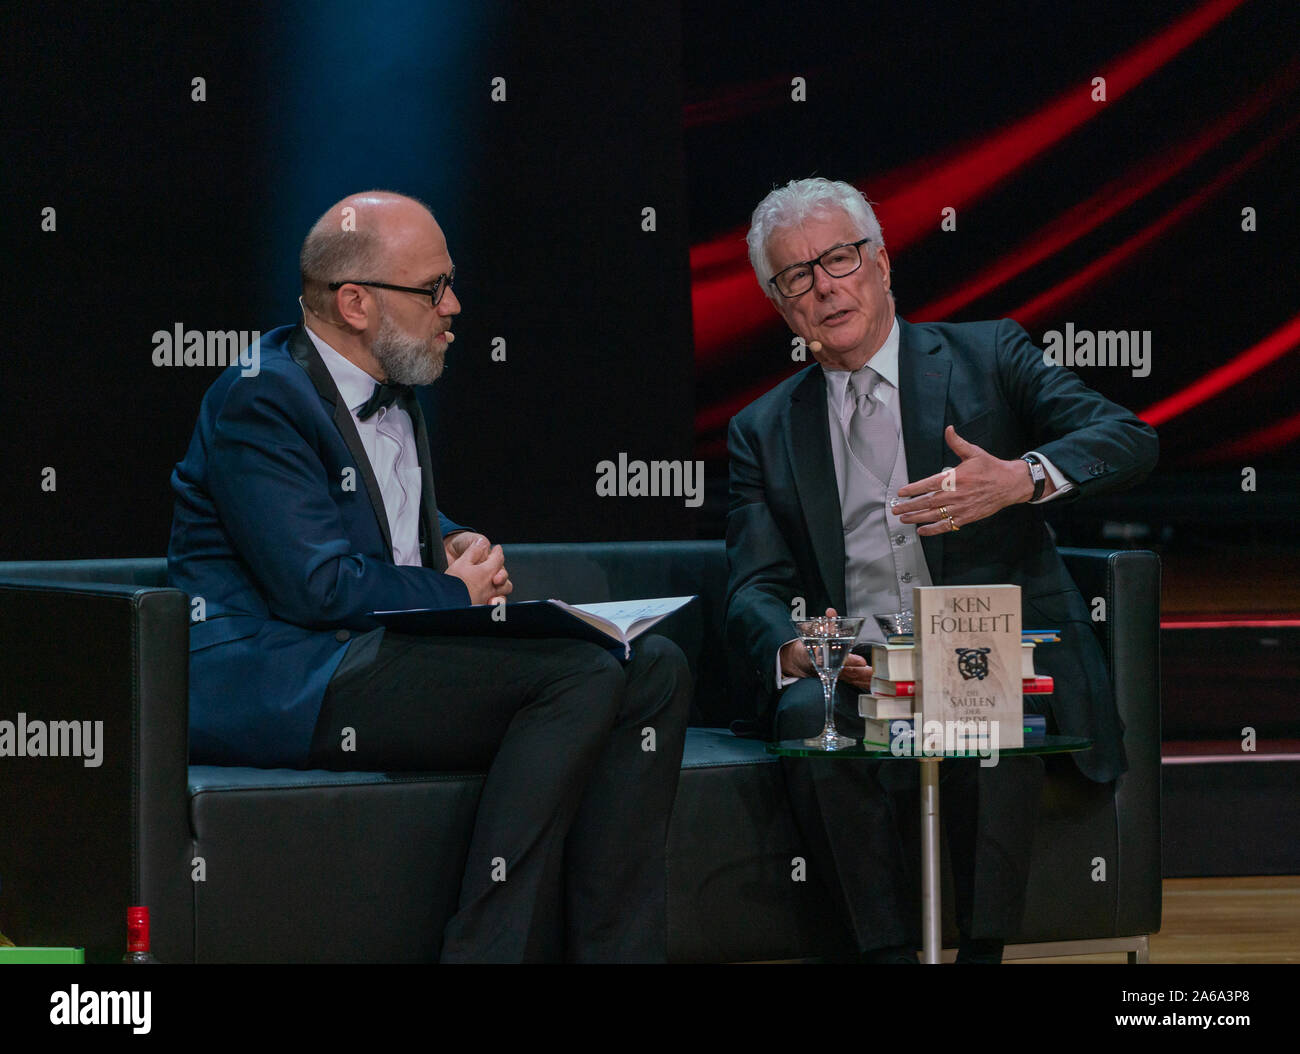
[389,441]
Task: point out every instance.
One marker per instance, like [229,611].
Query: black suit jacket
[784,528]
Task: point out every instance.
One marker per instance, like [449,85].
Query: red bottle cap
[137,929]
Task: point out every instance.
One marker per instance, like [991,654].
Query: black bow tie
[383,395]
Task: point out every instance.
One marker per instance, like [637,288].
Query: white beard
[406,359]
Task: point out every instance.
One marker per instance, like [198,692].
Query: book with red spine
[1040,685]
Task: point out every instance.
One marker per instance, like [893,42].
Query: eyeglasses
[839,261]
[440,285]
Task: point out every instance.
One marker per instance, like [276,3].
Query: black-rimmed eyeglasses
[440,285]
[839,261]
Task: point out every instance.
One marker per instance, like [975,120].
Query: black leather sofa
[276,865]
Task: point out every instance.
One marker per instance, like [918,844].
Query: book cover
[968,658]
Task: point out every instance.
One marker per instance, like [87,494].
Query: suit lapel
[809,449]
[305,355]
[431,535]
[924,367]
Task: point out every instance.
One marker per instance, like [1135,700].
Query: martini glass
[895,624]
[829,641]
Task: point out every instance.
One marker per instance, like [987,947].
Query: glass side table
[931,906]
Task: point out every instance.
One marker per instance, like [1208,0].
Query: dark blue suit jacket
[280,528]
[784,528]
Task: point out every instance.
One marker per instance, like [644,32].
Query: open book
[609,624]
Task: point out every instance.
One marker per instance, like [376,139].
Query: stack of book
[889,709]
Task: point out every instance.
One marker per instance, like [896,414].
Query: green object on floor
[42,955]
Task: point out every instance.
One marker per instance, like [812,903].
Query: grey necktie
[873,437]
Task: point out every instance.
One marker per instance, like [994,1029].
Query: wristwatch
[1036,473]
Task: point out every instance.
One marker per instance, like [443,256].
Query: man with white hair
[910,455]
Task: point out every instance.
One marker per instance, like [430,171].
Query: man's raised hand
[980,486]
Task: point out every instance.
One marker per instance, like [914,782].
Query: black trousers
[582,757]
[861,823]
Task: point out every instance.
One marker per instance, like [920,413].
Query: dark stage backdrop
[1165,208]
[170,210]
[1101,167]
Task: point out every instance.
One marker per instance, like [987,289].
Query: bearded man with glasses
[305,503]
[910,455]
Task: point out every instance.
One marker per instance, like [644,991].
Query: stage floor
[1221,920]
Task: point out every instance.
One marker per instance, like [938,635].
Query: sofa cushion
[381,854]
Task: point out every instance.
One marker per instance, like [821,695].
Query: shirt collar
[884,362]
[355,385]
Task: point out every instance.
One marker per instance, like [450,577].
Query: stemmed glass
[829,641]
[895,624]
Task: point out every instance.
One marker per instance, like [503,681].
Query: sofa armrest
[103,825]
[1129,580]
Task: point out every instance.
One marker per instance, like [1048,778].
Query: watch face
[1037,476]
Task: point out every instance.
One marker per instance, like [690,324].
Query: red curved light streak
[1253,359]
[727,304]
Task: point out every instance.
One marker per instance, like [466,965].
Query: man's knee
[659,650]
[659,684]
[662,662]
[584,657]
[586,671]
[801,709]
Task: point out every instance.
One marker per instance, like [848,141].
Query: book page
[628,615]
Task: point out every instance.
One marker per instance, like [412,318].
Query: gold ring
[943,511]
[953,524]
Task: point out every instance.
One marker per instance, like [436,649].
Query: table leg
[931,906]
